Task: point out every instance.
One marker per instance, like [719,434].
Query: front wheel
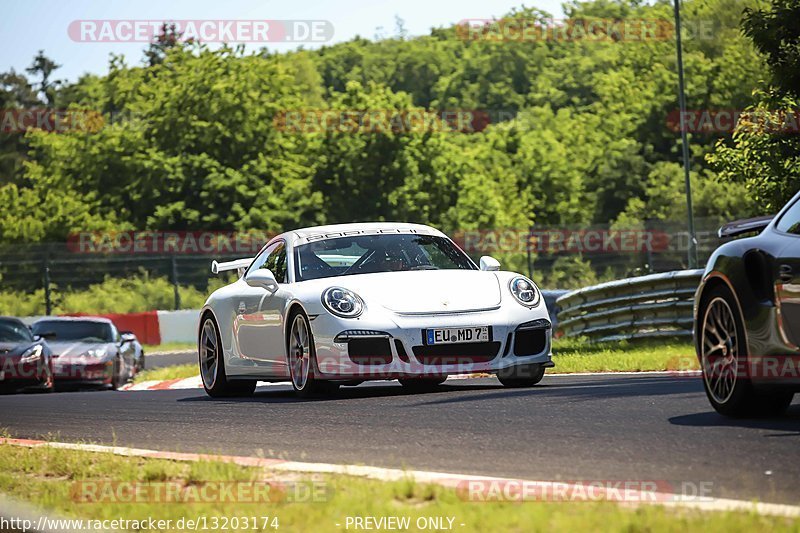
[521,376]
[302,358]
[212,366]
[117,380]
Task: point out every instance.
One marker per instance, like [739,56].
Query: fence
[555,257]
[657,305]
[55,269]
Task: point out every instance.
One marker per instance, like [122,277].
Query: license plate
[456,335]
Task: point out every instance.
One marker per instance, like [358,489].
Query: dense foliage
[765,154]
[582,131]
[191,140]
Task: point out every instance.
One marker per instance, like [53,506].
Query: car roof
[98,319]
[331,231]
[11,319]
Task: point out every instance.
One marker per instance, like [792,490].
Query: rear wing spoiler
[238,264]
[746,225]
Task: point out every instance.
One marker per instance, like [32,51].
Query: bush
[112,295]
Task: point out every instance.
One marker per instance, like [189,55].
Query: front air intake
[370,350]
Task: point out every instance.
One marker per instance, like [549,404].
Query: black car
[747,316]
[25,360]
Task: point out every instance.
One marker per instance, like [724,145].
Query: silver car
[338,305]
[88,351]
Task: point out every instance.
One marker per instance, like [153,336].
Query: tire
[301,355]
[212,365]
[521,376]
[723,354]
[116,376]
[422,384]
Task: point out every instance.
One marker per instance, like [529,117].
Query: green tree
[765,151]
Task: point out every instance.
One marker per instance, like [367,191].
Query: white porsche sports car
[338,305]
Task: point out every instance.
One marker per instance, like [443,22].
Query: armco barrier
[144,325]
[656,305]
[178,326]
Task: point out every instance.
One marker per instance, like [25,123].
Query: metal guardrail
[652,306]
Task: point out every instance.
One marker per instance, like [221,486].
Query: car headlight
[525,291]
[97,352]
[32,355]
[342,302]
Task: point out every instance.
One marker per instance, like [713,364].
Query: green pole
[685,141]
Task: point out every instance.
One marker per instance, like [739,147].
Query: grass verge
[579,355]
[168,372]
[47,478]
[169,347]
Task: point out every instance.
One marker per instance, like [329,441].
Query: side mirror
[489,263]
[262,278]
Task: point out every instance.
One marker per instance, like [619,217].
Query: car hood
[14,349]
[75,351]
[425,291]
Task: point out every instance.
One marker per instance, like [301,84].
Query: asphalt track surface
[160,360]
[578,428]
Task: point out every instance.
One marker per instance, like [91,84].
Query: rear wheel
[422,384]
[521,376]
[724,361]
[212,366]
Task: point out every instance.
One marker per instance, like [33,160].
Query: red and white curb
[195,382]
[453,481]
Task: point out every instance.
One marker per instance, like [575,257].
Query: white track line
[440,478]
[195,382]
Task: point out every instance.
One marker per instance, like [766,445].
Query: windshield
[14,331]
[75,330]
[366,254]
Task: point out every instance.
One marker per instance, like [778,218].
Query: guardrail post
[48,304]
[176,292]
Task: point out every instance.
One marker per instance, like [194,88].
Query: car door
[259,327]
[787,276]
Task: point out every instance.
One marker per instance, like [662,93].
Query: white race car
[338,305]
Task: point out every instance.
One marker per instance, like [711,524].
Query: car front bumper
[402,351]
